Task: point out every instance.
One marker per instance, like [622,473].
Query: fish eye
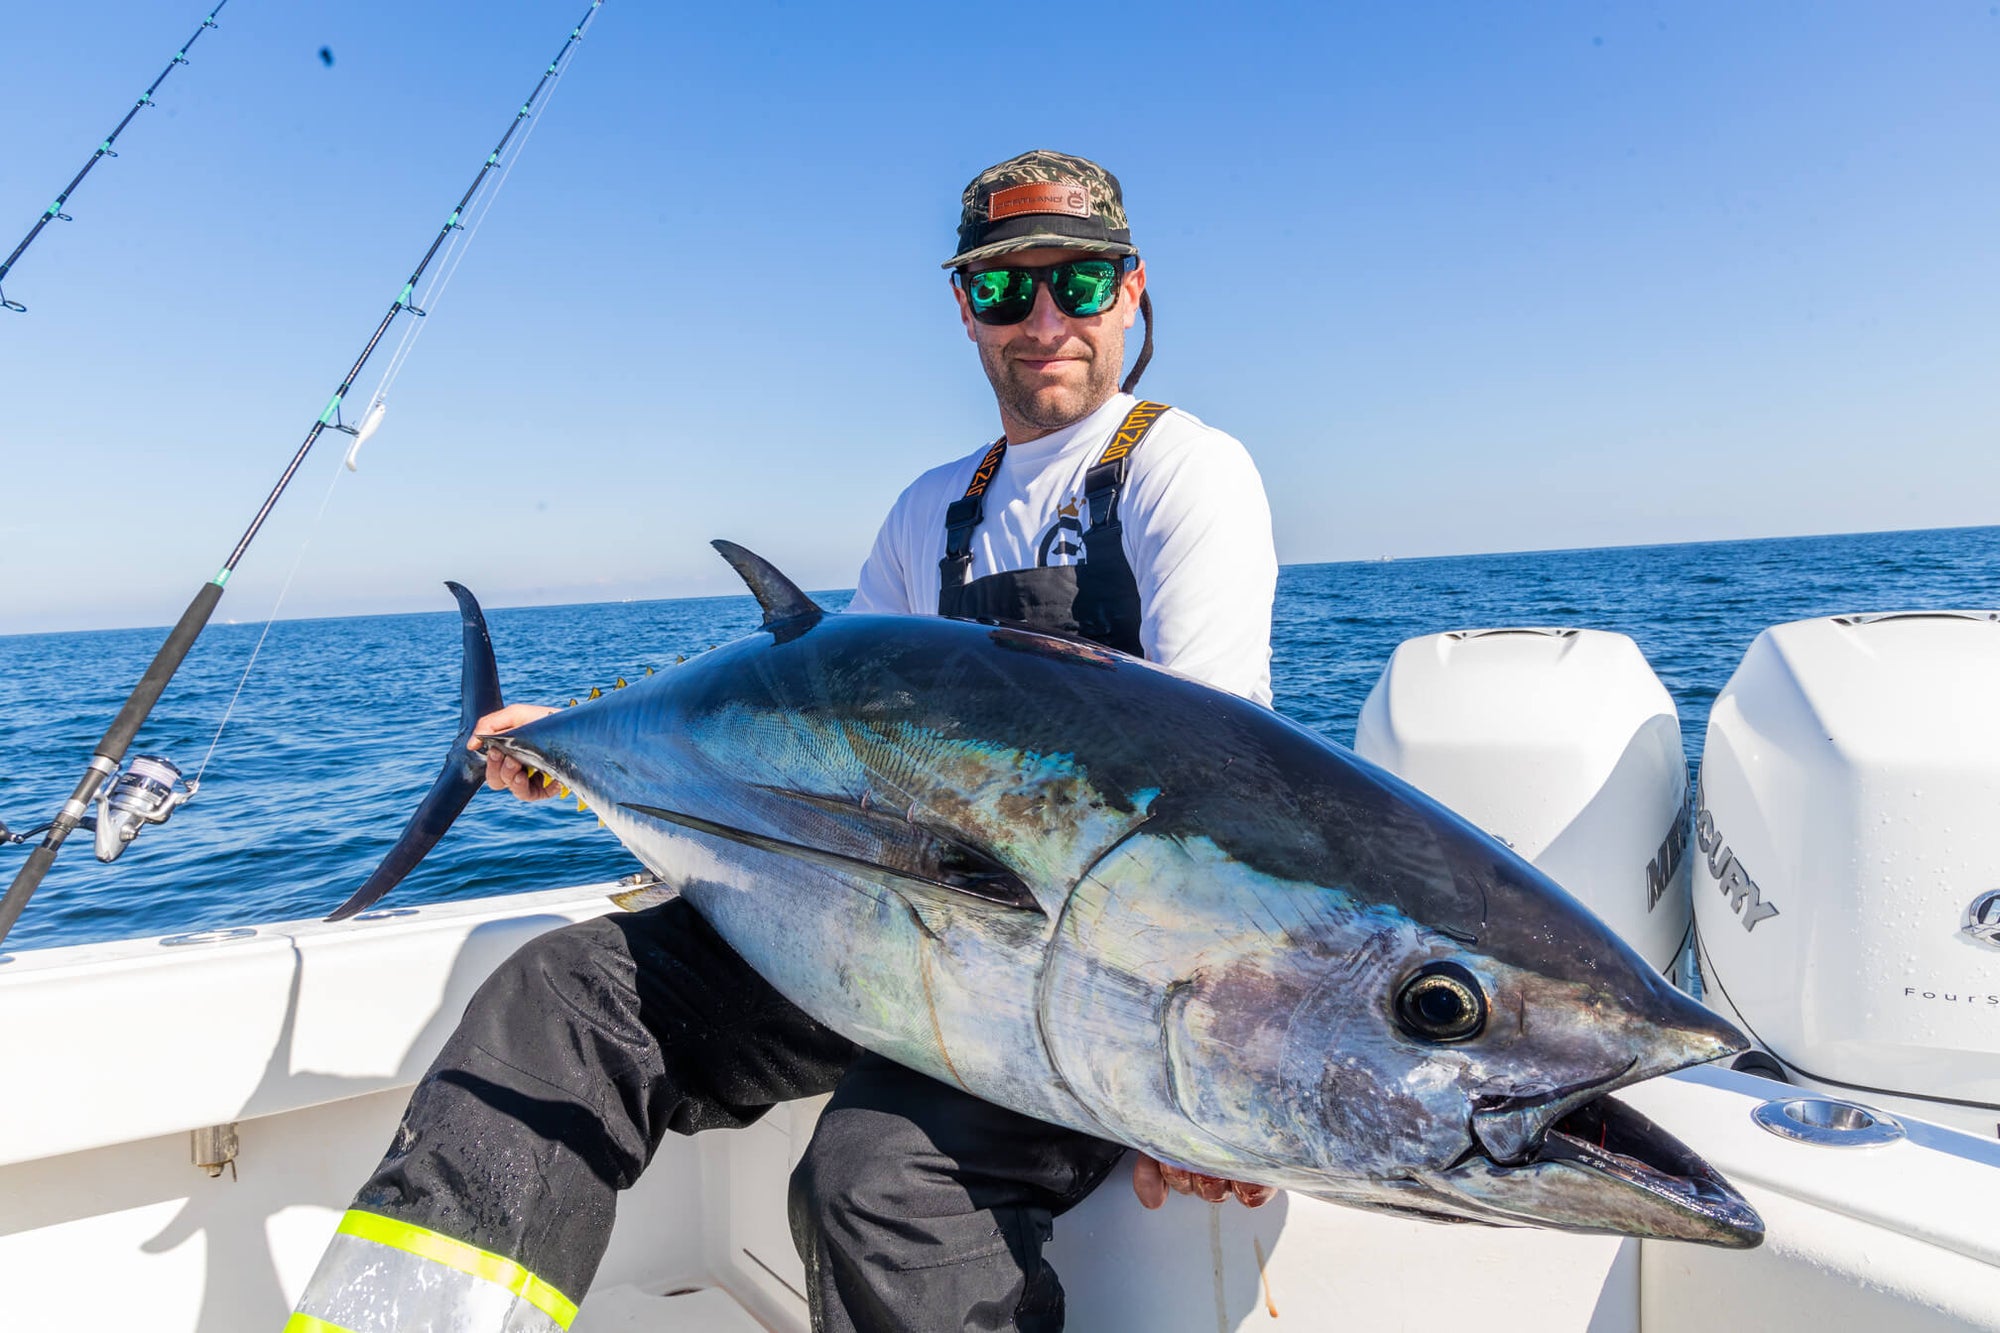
[1441,1002]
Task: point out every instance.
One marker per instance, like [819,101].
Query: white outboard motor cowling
[1563,744]
[1847,859]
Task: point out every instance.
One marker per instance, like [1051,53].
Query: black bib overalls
[1096,599]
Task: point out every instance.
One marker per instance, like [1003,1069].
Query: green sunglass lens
[1000,290]
[1085,288]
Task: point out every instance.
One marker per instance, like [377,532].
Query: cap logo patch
[1065,197]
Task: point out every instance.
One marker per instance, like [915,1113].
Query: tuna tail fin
[464,770]
[781,598]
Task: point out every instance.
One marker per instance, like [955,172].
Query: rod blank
[54,212]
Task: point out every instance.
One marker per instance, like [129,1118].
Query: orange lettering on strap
[1137,422]
[987,467]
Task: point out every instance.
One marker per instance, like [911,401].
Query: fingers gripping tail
[788,612]
[464,770]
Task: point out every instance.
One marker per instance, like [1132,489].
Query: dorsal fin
[779,596]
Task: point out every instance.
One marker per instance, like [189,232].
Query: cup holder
[1827,1123]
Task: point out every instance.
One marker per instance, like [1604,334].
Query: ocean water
[344,722]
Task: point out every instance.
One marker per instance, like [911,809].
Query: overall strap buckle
[959,521]
[964,515]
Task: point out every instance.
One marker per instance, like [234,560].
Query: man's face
[1052,369]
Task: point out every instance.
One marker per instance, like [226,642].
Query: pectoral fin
[961,874]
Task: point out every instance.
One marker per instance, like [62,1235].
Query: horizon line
[1311,564]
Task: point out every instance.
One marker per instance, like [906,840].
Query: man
[917,1206]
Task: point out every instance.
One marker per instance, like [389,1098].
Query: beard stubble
[1045,408]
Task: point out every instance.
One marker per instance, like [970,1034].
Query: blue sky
[1464,277]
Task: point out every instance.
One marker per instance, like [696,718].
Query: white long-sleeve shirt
[1197,532]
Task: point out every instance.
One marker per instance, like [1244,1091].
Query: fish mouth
[1595,1164]
[1609,1137]
[1512,1130]
[1578,1159]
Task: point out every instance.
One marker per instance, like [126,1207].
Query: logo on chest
[1061,542]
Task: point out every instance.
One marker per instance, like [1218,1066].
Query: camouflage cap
[1042,198]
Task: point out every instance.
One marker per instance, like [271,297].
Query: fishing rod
[55,213]
[145,793]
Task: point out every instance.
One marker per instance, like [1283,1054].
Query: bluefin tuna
[1098,892]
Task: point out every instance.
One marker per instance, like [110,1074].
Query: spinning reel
[145,793]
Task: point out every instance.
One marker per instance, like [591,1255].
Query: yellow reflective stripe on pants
[465,1258]
[305,1323]
[380,1275]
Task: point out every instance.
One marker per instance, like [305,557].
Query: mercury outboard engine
[1563,744]
[1847,866]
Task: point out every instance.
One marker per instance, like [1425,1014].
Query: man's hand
[503,773]
[1152,1179]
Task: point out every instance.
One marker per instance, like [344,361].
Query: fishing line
[147,793]
[270,620]
[54,212]
[455,253]
[433,292]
